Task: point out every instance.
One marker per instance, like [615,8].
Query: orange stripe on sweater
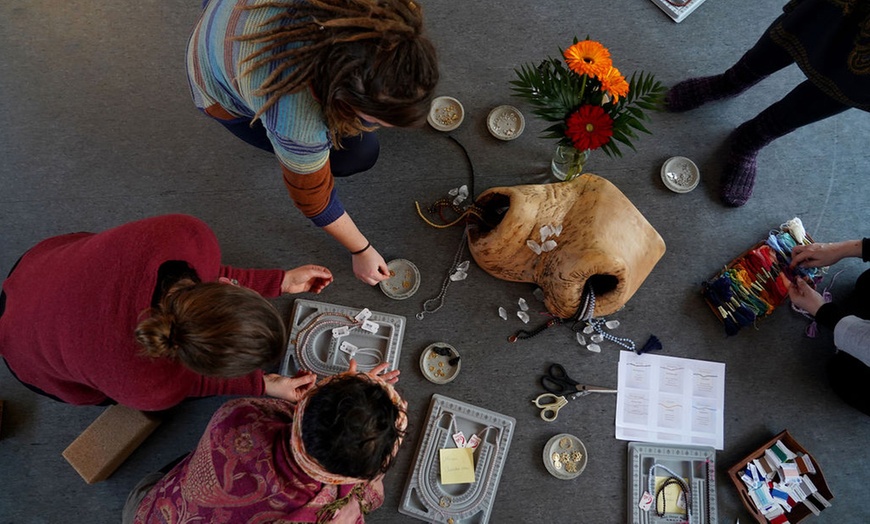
[310,192]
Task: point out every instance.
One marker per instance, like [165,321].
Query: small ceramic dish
[446,113]
[505,122]
[565,456]
[440,363]
[680,174]
[404,279]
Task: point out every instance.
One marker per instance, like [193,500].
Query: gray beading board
[697,464]
[424,496]
[322,353]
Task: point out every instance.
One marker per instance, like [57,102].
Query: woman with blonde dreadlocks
[310,80]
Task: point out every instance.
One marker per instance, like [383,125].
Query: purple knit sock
[696,92]
[738,178]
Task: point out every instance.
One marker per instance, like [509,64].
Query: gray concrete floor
[98,129]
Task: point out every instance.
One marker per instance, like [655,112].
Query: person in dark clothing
[849,369]
[829,40]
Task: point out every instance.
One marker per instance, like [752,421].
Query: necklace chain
[434,304]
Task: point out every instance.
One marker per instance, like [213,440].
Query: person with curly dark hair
[310,80]
[829,40]
[268,460]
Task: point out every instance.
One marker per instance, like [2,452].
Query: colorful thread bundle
[755,283]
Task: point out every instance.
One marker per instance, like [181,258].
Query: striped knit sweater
[295,124]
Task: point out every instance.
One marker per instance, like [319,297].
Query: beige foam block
[108,441]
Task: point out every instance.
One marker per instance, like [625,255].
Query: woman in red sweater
[145,315]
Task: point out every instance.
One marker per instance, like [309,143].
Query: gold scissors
[560,389]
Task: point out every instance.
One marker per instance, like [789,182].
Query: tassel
[652,344]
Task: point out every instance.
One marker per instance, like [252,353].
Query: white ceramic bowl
[404,279]
[446,113]
[680,174]
[565,446]
[505,122]
[436,368]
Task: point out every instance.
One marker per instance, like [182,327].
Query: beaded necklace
[672,479]
[326,321]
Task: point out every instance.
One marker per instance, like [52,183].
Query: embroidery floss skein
[753,285]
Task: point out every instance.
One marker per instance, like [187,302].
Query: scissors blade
[586,390]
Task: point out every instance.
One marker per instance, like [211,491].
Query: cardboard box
[799,511]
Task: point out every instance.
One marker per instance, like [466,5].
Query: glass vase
[568,162]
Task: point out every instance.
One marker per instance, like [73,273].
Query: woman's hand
[369,266]
[805,297]
[390,377]
[306,278]
[819,255]
[288,388]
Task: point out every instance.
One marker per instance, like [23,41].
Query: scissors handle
[557,372]
[550,410]
[557,381]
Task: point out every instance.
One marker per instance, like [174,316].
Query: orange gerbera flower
[614,83]
[588,57]
[590,127]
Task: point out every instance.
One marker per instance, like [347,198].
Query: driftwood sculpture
[604,241]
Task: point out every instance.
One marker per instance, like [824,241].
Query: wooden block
[108,441]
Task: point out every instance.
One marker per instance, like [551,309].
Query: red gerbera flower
[590,127]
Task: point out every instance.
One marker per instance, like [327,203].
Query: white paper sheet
[670,400]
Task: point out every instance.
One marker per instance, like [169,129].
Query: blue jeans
[357,153]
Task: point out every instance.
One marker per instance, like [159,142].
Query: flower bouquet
[590,102]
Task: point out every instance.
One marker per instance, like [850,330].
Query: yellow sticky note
[672,497]
[457,465]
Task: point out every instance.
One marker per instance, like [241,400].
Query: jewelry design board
[696,464]
[424,496]
[312,324]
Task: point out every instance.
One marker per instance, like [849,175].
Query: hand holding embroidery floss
[754,284]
